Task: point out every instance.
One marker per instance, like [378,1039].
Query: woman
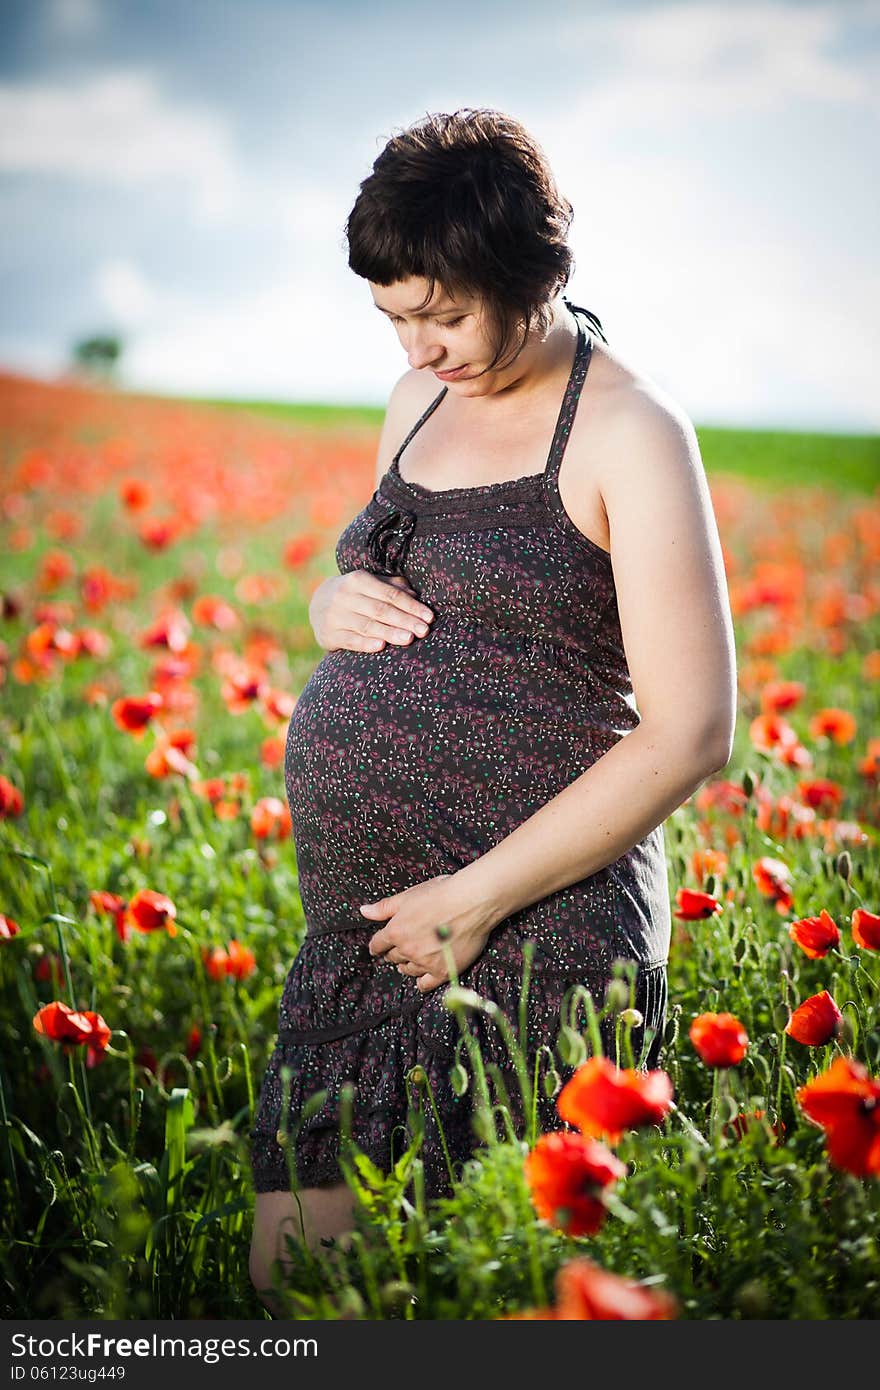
[469,754]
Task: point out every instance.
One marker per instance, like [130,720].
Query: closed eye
[450,323]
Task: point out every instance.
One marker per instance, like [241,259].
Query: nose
[421,352]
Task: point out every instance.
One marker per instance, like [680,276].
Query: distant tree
[98,356]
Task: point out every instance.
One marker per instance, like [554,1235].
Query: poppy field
[157,563]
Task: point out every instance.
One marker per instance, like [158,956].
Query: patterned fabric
[413,761]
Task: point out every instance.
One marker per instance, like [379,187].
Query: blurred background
[176,179]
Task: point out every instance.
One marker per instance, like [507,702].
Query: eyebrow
[421,313]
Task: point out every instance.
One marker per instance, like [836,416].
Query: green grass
[782,458]
[322,416]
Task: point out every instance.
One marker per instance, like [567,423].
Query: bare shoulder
[646,438]
[411,394]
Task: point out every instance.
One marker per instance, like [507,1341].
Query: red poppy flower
[239,961]
[215,962]
[708,861]
[193,1041]
[171,754]
[8,927]
[845,1102]
[726,795]
[242,961]
[720,1039]
[11,799]
[770,733]
[869,765]
[773,879]
[212,611]
[815,935]
[777,696]
[836,724]
[816,1021]
[784,818]
[823,795]
[271,816]
[602,1099]
[584,1292]
[62,1023]
[49,968]
[103,901]
[242,688]
[692,905]
[151,911]
[134,712]
[171,630]
[866,929]
[567,1175]
[134,494]
[82,1027]
[158,533]
[299,549]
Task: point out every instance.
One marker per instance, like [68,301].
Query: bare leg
[327,1213]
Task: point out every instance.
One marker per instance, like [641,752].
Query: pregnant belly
[410,762]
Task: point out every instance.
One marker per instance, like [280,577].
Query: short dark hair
[467,199]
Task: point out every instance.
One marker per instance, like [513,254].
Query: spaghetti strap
[421,420]
[582,354]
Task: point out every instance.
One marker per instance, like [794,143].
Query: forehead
[408,297]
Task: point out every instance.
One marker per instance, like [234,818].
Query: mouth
[451,375]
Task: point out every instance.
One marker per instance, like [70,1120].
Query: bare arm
[678,637]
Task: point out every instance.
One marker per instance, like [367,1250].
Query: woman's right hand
[361,611]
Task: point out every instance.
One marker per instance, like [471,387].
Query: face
[448,336]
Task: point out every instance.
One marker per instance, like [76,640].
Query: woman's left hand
[410,940]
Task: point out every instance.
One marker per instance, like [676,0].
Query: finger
[428,982]
[393,606]
[372,633]
[407,968]
[375,610]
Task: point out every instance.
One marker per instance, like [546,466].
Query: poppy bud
[571,1047]
[483,1127]
[458,1079]
[397,1294]
[843,865]
[632,1018]
[443,933]
[349,1303]
[749,782]
[617,995]
[457,997]
[753,1299]
[282,1139]
[847,1033]
[552,1083]
[417,1075]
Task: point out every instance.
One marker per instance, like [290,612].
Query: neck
[541,360]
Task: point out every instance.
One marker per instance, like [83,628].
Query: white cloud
[119,129]
[705,58]
[124,290]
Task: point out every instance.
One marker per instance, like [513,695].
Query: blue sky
[181,172]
